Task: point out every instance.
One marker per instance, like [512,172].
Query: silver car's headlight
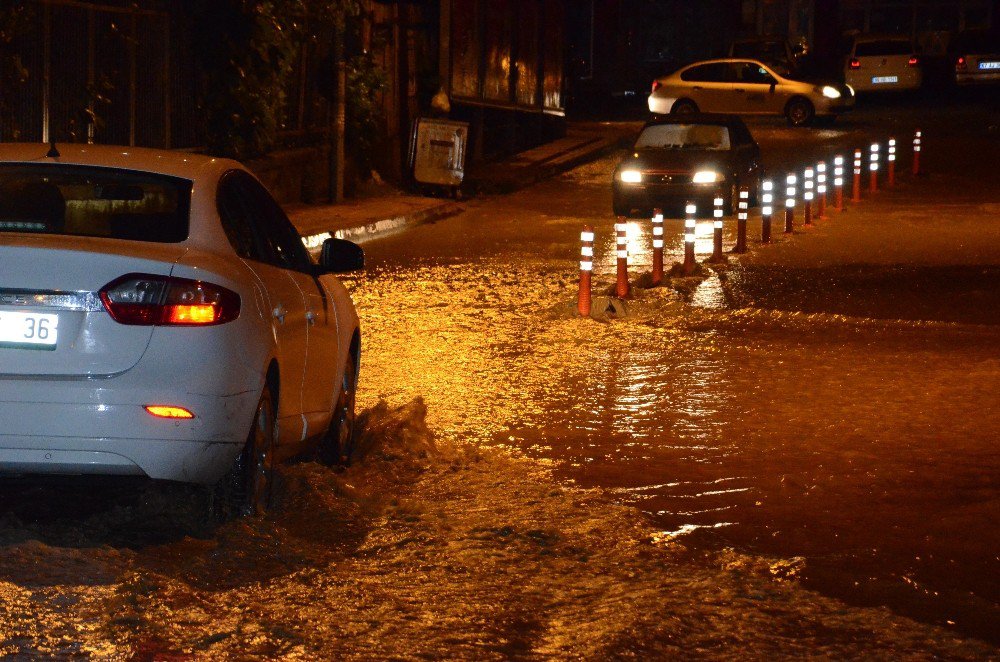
[830,92]
[705,177]
[630,176]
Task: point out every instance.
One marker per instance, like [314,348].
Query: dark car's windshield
[93,202]
[684,136]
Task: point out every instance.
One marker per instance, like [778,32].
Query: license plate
[878,80]
[989,65]
[28,330]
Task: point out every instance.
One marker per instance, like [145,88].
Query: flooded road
[771,407]
[749,464]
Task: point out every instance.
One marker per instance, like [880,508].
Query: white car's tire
[246,489]
[337,446]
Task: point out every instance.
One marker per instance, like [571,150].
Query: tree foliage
[248,49]
[15,21]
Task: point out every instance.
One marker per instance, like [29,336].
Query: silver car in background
[976,56]
[748,87]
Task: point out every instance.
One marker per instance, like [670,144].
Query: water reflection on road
[858,444]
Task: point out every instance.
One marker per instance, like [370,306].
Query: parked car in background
[160,317]
[690,157]
[976,57]
[882,64]
[751,87]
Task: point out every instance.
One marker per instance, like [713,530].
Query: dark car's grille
[664,177]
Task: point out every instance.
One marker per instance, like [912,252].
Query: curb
[380,227]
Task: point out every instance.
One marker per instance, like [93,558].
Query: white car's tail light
[913,61]
[146,300]
[656,85]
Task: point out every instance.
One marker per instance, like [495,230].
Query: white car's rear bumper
[100,426]
[887,80]
[166,459]
[660,105]
[111,432]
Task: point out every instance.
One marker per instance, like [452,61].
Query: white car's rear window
[93,202]
[881,48]
[683,136]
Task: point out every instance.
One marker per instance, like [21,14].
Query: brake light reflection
[168,411]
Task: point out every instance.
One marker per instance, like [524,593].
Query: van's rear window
[93,202]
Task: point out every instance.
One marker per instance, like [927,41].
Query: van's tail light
[141,299]
[960,63]
[914,61]
[855,63]
[656,85]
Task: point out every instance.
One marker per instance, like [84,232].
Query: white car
[881,64]
[745,86]
[160,317]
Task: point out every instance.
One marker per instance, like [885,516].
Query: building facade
[502,65]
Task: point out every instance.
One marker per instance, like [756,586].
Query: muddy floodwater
[789,455]
[869,448]
[844,415]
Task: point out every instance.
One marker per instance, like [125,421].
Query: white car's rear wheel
[684,107]
[246,489]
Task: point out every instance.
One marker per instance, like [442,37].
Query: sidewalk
[367,218]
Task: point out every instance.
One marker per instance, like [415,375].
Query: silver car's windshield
[684,136]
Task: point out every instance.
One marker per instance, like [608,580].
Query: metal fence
[125,76]
[95,74]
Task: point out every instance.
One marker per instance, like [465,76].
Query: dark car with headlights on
[687,158]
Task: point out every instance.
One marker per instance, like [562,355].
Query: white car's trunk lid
[52,320]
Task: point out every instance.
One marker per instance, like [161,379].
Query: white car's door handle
[279,313]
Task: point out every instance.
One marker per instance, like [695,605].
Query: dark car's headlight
[705,177]
[630,176]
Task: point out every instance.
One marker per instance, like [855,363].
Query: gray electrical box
[437,152]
